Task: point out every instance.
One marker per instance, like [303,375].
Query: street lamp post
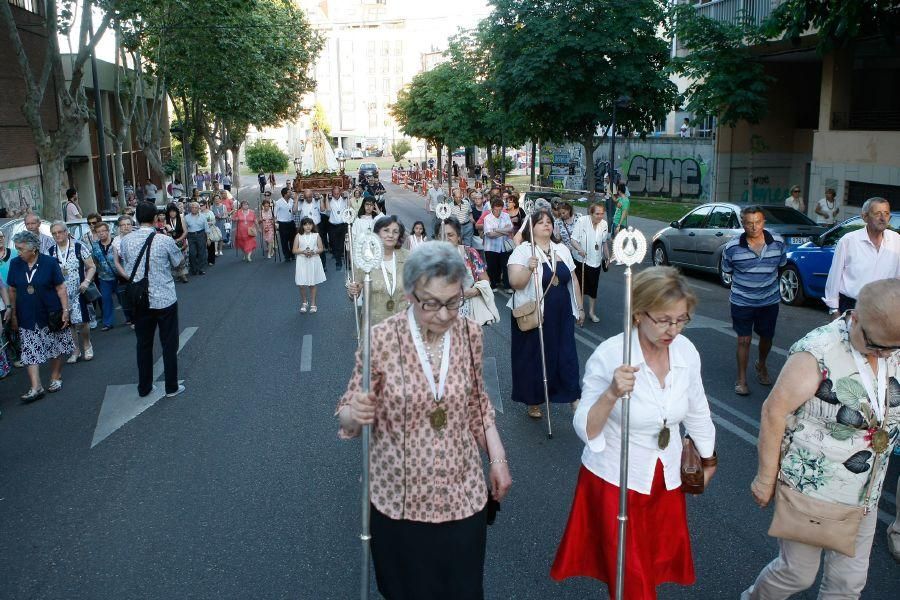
[621,102]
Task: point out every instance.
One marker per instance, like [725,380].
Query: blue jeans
[107,289]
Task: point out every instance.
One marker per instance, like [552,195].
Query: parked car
[366,169]
[697,239]
[356,153]
[11,227]
[79,228]
[807,268]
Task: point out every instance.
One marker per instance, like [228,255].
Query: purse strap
[547,289]
[144,249]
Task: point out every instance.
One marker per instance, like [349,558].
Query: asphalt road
[240,488]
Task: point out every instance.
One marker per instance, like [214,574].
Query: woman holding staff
[666,391]
[590,240]
[560,308]
[387,281]
[428,493]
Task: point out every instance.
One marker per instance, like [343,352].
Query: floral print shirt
[418,473]
[827,447]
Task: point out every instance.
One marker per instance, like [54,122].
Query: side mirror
[675,225]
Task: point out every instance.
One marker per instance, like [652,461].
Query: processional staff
[349,216]
[629,248]
[368,253]
[443,211]
[529,207]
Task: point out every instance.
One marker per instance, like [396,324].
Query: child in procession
[308,271]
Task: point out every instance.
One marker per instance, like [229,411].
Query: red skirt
[658,545]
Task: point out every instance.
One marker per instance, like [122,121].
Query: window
[32,6]
[831,238]
[722,217]
[782,215]
[695,219]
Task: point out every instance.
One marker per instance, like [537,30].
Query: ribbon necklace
[390,285]
[438,417]
[876,390]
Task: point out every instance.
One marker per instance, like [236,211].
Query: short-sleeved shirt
[106,265]
[828,452]
[462,211]
[622,205]
[492,223]
[164,254]
[32,310]
[754,277]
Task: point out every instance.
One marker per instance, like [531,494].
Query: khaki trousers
[796,566]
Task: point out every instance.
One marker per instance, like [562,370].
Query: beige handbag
[529,315]
[819,523]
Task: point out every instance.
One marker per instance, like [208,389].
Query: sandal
[741,389]
[313,308]
[762,378]
[33,395]
[89,352]
[303,307]
[73,359]
[55,385]
[595,319]
[534,412]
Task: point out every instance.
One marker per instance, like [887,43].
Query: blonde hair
[657,288]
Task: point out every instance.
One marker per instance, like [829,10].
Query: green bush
[265,156]
[509,163]
[399,149]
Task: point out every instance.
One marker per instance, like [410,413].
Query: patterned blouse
[827,446]
[418,473]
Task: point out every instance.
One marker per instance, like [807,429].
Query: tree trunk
[533,160]
[235,169]
[52,177]
[490,161]
[449,168]
[589,176]
[440,168]
[750,169]
[118,169]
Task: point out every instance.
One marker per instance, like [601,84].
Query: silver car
[697,239]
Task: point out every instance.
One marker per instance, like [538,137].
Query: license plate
[796,241]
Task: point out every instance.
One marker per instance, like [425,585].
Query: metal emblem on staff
[349,216]
[443,211]
[629,248]
[367,255]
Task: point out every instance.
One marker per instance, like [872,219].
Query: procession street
[240,488]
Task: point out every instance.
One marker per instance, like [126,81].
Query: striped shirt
[754,276]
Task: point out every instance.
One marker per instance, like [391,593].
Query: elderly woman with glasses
[430,417]
[387,282]
[827,431]
[666,392]
[39,301]
[77,265]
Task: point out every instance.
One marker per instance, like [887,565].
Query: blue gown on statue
[563,383]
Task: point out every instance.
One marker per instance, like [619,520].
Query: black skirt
[434,561]
[591,278]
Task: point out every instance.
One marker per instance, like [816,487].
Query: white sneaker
[180,390]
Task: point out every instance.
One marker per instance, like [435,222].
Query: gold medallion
[662,439]
[30,289]
[880,441]
[596,246]
[389,304]
[438,418]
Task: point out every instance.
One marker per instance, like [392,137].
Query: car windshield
[782,215]
[367,166]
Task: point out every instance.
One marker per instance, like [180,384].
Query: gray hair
[434,259]
[59,224]
[29,239]
[868,204]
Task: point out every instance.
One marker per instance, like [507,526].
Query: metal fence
[731,10]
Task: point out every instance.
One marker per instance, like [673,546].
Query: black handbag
[91,294]
[136,297]
[55,321]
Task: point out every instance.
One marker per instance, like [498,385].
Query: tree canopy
[266,157]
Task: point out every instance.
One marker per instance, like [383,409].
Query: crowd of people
[430,415]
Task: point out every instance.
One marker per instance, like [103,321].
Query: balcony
[866,120]
[730,10]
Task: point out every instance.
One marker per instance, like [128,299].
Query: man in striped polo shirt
[754,261]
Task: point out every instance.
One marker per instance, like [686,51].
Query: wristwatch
[833,311]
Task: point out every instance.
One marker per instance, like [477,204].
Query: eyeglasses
[873,346]
[664,324]
[93,222]
[432,305]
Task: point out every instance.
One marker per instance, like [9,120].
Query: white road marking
[121,403]
[700,322]
[306,354]
[700,287]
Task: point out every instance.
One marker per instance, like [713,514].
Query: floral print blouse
[827,446]
[418,473]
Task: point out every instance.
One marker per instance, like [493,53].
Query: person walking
[213,233]
[40,306]
[261,179]
[461,210]
[175,228]
[862,256]
[162,312]
[244,221]
[387,282]
[308,272]
[417,236]
[590,240]
[825,447]
[429,500]
[666,389]
[267,222]
[828,209]
[337,226]
[795,200]
[220,211]
[107,275]
[197,226]
[285,207]
[33,224]
[497,229]
[73,209]
[560,294]
[77,268]
[623,205]
[753,260]
[126,226]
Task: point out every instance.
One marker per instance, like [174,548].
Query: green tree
[419,105]
[836,22]
[265,156]
[560,66]
[399,149]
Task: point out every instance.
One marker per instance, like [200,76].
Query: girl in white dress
[309,272]
[366,216]
[417,237]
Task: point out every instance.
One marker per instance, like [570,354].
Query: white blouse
[362,224]
[681,400]
[591,238]
[522,254]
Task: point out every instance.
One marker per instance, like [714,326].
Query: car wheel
[791,287]
[660,257]
[724,278]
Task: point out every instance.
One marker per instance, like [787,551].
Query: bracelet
[499,461]
[712,461]
[758,480]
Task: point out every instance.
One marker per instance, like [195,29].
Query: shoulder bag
[691,467]
[136,297]
[829,525]
[529,315]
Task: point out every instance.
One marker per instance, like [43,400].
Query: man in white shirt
[311,207]
[828,208]
[337,226]
[862,256]
[284,222]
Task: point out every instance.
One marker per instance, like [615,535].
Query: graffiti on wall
[20,196]
[665,176]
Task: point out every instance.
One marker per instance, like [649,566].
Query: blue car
[807,267]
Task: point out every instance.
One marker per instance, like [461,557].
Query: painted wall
[20,191]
